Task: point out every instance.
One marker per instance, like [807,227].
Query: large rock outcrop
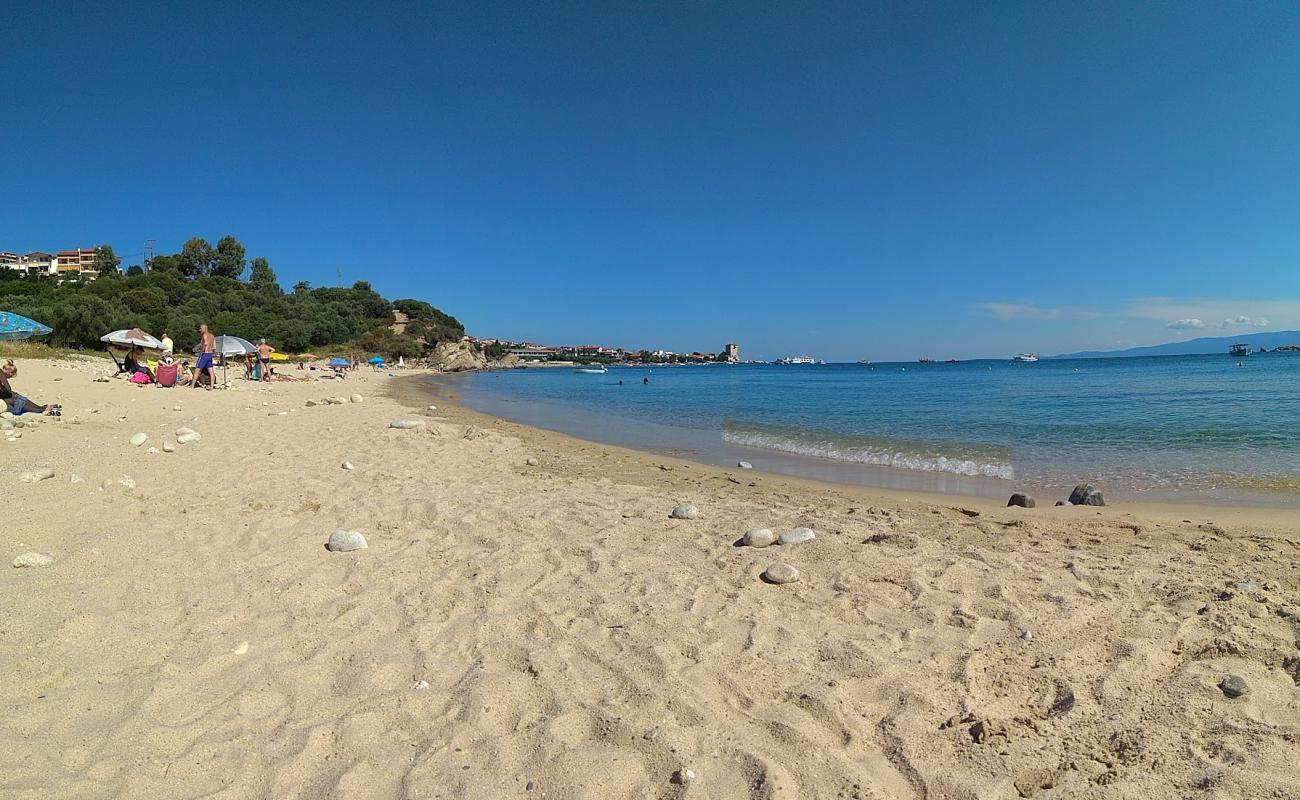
[460,356]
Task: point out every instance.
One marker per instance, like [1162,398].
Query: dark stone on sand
[1234,686]
[1022,500]
[1085,494]
[1064,503]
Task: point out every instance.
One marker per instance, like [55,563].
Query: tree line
[206,284]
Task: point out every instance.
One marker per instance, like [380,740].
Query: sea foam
[873,454]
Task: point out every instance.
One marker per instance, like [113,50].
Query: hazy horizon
[842,180]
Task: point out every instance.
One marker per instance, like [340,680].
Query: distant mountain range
[1205,344]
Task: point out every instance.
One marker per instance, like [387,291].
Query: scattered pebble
[127,482]
[683,776]
[38,475]
[407,423]
[759,537]
[781,573]
[420,685]
[1026,634]
[312,403]
[342,541]
[76,479]
[33,560]
[433,408]
[797,535]
[176,408]
[744,465]
[188,436]
[153,451]
[240,649]
[336,401]
[1064,503]
[530,461]
[356,398]
[1234,686]
[347,465]
[168,447]
[685,511]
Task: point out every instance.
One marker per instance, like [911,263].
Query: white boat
[591,370]
[1025,357]
[797,360]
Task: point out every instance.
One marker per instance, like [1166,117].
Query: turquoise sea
[1195,428]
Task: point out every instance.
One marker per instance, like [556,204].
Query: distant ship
[1239,350]
[797,360]
[926,360]
[1025,357]
[591,370]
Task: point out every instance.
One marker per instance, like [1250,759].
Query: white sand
[194,638]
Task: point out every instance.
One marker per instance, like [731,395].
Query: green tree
[302,287]
[262,276]
[195,258]
[228,260]
[134,271]
[105,260]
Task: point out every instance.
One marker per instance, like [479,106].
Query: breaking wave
[884,453]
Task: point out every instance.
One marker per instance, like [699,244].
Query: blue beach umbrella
[16,326]
[376,360]
[340,362]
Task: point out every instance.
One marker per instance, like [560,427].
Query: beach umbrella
[132,337]
[340,362]
[376,360]
[309,356]
[228,346]
[279,357]
[16,326]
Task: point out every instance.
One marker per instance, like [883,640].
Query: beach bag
[139,377]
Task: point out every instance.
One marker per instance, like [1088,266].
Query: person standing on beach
[167,343]
[205,363]
[264,352]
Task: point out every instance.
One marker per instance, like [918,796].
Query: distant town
[64,264]
[593,353]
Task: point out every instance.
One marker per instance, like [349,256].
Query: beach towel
[139,377]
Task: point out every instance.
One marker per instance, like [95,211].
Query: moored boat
[1027,358]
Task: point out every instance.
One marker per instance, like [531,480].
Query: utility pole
[148,254]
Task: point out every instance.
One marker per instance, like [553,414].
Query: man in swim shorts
[206,359]
[264,352]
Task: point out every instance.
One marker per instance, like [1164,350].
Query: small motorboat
[1025,358]
[591,370]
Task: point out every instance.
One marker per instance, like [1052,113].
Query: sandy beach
[528,621]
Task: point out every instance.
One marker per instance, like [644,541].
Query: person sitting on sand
[15,403]
[187,375]
[132,363]
[264,352]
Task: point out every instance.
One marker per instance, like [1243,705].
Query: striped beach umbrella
[16,326]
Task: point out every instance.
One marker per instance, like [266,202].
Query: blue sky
[851,180]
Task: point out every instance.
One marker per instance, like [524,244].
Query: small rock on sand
[312,404]
[796,536]
[185,436]
[530,461]
[33,560]
[1085,494]
[240,649]
[1064,503]
[1234,686]
[127,482]
[348,465]
[433,408]
[153,451]
[685,511]
[336,401]
[420,685]
[356,398]
[37,475]
[683,776]
[405,424]
[168,447]
[744,465]
[759,537]
[1022,500]
[342,541]
[781,573]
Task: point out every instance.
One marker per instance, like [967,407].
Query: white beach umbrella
[228,346]
[132,337]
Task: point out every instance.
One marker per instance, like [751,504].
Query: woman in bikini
[15,403]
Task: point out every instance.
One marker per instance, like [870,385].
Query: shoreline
[527,613]
[409,390]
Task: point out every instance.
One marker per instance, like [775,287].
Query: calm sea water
[1177,427]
